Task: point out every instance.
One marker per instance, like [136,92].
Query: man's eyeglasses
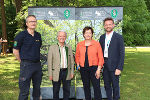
[32,21]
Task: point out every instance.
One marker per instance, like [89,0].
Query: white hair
[62,31]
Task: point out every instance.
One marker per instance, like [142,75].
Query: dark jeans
[66,86]
[30,71]
[111,83]
[87,75]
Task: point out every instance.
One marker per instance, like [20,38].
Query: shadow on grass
[9,73]
[135,76]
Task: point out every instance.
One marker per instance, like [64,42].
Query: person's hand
[5,40]
[117,72]
[50,78]
[1,40]
[19,60]
[97,74]
[71,76]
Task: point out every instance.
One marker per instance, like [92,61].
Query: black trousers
[87,76]
[111,83]
[28,71]
[66,86]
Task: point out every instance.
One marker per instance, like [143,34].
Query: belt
[63,69]
[30,61]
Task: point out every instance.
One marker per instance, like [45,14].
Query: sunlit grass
[134,81]
[9,73]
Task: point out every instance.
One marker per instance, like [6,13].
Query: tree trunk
[3,19]
[20,23]
[18,5]
[4,35]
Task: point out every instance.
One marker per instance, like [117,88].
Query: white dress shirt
[63,58]
[107,42]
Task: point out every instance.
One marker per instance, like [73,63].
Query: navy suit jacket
[116,51]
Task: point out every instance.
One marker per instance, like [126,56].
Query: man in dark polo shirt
[27,51]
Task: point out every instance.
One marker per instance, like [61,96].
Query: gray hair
[62,31]
[30,16]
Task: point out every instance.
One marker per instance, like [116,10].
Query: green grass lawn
[9,73]
[135,79]
[134,82]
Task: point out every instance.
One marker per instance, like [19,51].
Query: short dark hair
[30,16]
[108,18]
[88,28]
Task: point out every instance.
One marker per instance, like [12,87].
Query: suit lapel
[66,48]
[104,42]
[58,52]
[112,40]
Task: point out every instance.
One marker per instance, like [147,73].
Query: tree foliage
[136,23]
[136,19]
[148,4]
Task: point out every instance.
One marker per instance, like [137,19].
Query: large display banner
[72,20]
[72,13]
[50,13]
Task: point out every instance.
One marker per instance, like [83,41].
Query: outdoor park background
[135,81]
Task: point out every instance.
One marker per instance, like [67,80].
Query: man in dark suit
[113,49]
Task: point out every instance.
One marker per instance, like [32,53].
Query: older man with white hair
[61,66]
